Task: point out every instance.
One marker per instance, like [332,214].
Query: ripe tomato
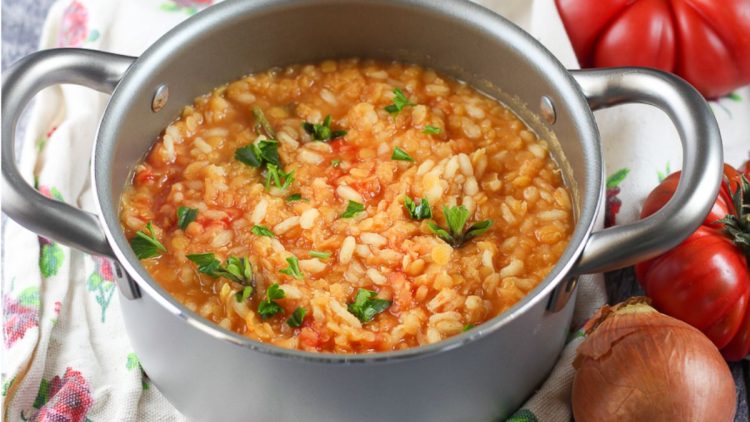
[704,41]
[704,281]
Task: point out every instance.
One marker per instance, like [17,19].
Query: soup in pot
[347,206]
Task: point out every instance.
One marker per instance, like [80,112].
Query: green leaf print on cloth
[523,415]
[133,363]
[101,283]
[613,204]
[51,258]
[7,385]
[732,96]
[190,7]
[664,175]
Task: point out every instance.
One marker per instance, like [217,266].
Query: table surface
[21,26]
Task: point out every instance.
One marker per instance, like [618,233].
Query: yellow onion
[640,365]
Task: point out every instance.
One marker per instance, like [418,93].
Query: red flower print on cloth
[66,399]
[101,283]
[73,29]
[20,315]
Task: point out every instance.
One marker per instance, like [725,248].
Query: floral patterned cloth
[66,356]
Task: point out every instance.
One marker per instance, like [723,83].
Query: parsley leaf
[262,231]
[244,294]
[239,270]
[268,307]
[476,229]
[400,155]
[293,268]
[249,154]
[206,262]
[258,155]
[321,255]
[275,292]
[297,317]
[261,123]
[322,132]
[468,327]
[441,233]
[146,245]
[417,212]
[335,163]
[399,102]
[456,218]
[431,130]
[269,151]
[280,178]
[185,216]
[352,209]
[366,305]
[294,197]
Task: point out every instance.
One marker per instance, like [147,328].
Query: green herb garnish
[280,178]
[262,231]
[268,307]
[400,155]
[322,132]
[293,268]
[243,294]
[262,124]
[321,255]
[366,305]
[206,262]
[417,212]
[185,216]
[261,154]
[399,102]
[297,317]
[335,163]
[431,130]
[239,270]
[468,327]
[294,197]
[456,218]
[352,209]
[145,245]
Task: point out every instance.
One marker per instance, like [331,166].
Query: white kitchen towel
[66,356]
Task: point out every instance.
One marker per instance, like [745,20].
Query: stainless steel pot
[209,373]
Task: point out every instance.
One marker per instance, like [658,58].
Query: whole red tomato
[704,281]
[707,42]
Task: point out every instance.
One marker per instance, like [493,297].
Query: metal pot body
[210,379]
[484,374]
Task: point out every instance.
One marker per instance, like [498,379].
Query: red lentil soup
[347,206]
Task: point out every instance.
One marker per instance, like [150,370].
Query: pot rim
[230,11]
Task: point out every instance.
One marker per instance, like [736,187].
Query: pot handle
[702,160]
[24,79]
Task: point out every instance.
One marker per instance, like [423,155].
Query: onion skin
[640,365]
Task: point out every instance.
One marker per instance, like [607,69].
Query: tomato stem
[737,223]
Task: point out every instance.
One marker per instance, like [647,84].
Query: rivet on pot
[161,95]
[547,109]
